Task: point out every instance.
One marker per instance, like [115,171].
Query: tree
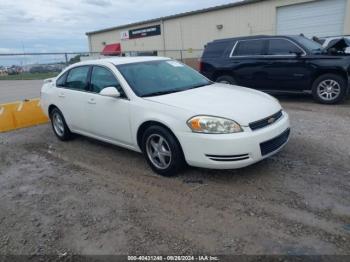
[74,59]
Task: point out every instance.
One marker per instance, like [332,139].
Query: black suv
[279,64]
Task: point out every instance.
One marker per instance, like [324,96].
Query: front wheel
[329,89]
[162,151]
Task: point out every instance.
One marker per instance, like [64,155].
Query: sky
[60,25]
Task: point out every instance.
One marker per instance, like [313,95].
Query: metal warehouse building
[192,30]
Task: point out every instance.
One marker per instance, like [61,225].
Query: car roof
[122,60]
[254,37]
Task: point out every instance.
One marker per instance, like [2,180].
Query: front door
[108,117]
[286,67]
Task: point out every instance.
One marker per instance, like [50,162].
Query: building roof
[215,8]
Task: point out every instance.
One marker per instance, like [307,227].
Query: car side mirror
[110,92]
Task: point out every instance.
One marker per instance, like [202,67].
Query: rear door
[247,58]
[216,58]
[71,97]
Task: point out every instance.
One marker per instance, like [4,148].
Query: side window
[101,78]
[60,82]
[249,47]
[282,47]
[78,78]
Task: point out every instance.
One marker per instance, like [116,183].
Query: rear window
[216,49]
[62,80]
[249,47]
[78,78]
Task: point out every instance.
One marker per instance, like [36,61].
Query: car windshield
[163,77]
[311,45]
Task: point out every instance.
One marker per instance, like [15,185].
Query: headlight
[213,125]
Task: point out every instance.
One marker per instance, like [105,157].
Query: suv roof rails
[251,37]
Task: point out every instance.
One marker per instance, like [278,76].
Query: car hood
[339,45]
[240,104]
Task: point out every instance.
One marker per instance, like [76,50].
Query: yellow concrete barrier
[21,114]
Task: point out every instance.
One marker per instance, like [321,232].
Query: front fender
[171,117]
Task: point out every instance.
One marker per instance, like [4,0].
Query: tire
[162,151]
[226,80]
[329,89]
[59,125]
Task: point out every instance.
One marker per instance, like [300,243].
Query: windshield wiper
[160,93]
[200,85]
[166,92]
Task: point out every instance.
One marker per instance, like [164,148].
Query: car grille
[266,121]
[228,158]
[275,143]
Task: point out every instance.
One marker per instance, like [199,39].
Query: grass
[29,76]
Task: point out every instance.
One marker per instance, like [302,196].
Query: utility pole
[163,36]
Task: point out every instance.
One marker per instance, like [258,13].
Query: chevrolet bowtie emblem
[271,120]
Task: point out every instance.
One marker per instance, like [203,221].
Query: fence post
[181,55]
[66,57]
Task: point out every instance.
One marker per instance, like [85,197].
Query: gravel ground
[87,197]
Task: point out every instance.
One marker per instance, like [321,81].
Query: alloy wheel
[328,90]
[158,151]
[58,124]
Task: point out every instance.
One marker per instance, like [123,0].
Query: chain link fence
[30,66]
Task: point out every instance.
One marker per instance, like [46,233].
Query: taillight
[200,66]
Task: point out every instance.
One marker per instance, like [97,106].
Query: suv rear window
[216,49]
[249,47]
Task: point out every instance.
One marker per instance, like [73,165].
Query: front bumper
[231,151]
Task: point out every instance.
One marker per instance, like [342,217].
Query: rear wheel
[329,89]
[225,79]
[59,125]
[162,151]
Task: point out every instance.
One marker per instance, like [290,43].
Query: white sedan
[167,111]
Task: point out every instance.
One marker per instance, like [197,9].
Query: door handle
[298,75]
[62,95]
[92,101]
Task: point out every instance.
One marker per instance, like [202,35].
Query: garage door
[319,18]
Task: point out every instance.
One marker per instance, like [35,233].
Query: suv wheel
[226,80]
[329,89]
[59,125]
[162,151]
